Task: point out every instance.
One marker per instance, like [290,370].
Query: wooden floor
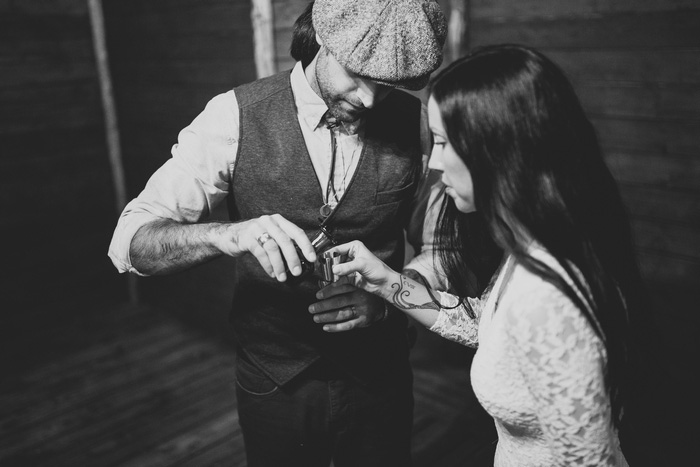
[122,385]
[132,386]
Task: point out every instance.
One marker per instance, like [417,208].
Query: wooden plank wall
[168,59]
[284,13]
[636,67]
[56,193]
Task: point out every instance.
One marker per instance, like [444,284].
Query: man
[329,147]
[430,190]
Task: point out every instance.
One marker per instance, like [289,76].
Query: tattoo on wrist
[413,274]
[402,295]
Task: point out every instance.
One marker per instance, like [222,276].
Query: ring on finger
[264,237]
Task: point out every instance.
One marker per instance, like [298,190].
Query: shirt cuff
[119,248]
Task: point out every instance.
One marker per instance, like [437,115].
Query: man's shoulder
[263,88]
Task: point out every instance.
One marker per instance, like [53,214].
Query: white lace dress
[538,371]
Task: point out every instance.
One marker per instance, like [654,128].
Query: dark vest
[274,174]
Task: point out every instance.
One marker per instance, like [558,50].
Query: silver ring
[264,237]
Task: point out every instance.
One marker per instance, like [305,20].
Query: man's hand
[343,307]
[271,240]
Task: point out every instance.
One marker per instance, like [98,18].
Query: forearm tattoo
[402,296]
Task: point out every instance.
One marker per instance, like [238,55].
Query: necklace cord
[331,186]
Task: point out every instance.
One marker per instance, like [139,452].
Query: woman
[513,143]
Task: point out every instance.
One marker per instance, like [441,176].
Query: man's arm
[184,190]
[165,246]
[161,231]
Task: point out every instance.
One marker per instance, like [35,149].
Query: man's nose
[366,96]
[370,93]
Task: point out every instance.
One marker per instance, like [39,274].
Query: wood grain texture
[134,386]
[575,8]
[633,29]
[655,170]
[54,170]
[635,65]
[137,387]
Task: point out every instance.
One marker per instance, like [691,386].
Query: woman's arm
[439,311]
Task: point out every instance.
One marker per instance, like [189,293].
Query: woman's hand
[371,273]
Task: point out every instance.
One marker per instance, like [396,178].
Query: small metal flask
[328,259]
[321,241]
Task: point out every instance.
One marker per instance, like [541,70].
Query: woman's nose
[434,162]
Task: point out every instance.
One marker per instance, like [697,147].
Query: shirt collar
[310,106]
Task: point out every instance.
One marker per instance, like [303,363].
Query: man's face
[347,95]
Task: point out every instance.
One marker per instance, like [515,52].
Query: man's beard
[342,114]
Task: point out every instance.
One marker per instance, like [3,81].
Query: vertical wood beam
[110,117]
[263,37]
[458,29]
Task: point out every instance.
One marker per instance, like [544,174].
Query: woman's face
[455,174]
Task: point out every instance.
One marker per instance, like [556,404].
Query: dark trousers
[322,415]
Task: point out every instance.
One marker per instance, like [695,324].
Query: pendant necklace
[346,169]
[328,205]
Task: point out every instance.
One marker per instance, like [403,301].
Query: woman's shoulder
[531,299]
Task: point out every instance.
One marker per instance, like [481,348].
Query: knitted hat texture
[395,42]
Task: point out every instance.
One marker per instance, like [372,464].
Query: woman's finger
[351,249]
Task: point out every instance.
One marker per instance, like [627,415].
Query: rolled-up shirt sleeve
[191,184]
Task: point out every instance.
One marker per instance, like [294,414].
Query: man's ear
[319,41]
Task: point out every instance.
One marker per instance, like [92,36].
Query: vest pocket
[392,196]
[253,381]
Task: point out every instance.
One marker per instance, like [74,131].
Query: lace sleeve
[454,323]
[562,361]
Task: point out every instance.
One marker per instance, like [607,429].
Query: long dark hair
[537,168]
